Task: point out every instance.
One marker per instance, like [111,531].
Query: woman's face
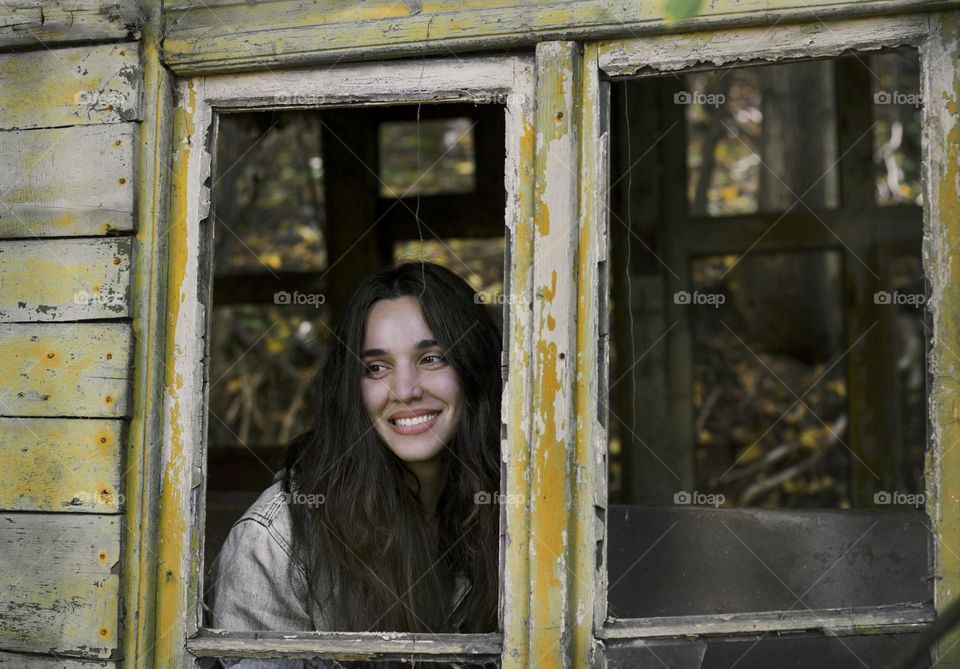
[410,392]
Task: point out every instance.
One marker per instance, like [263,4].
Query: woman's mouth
[414,425]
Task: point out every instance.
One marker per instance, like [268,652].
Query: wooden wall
[68,116]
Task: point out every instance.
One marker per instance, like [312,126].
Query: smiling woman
[378,522]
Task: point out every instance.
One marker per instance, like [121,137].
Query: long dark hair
[369,544]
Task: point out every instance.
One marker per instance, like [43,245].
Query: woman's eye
[374,368]
[434,358]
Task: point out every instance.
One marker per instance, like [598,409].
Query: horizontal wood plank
[80,85]
[347,645]
[60,464]
[57,590]
[69,369]
[69,614]
[222,35]
[36,545]
[64,279]
[44,23]
[665,53]
[50,188]
[21,661]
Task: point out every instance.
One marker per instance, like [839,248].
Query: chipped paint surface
[60,464]
[669,53]
[941,135]
[141,476]
[76,86]
[555,214]
[263,35]
[183,375]
[64,279]
[515,584]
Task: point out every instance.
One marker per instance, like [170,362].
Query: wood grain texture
[941,253]
[224,35]
[57,590]
[666,53]
[50,188]
[81,85]
[64,279]
[70,369]
[46,23]
[21,661]
[60,464]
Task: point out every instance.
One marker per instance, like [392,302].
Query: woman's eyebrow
[420,345]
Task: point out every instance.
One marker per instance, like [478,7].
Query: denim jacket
[258,585]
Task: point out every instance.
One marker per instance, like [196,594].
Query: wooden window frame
[507,80]
[935,35]
[553,585]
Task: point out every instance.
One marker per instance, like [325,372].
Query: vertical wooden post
[940,64]
[515,583]
[587,605]
[147,304]
[554,348]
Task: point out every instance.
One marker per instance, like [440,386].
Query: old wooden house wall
[68,126]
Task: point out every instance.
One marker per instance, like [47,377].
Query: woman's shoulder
[267,520]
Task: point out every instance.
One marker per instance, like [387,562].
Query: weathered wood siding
[33,23]
[222,35]
[69,119]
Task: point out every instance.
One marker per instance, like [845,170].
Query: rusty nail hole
[117,143]
[109,356]
[117,261]
[563,356]
[122,181]
[103,440]
[108,399]
[44,397]
[558,116]
[102,555]
[104,631]
[50,355]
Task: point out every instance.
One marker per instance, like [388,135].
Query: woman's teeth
[406,422]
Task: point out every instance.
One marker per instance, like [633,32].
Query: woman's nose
[406,386]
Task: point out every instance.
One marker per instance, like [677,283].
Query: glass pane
[897,109]
[426,157]
[749,143]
